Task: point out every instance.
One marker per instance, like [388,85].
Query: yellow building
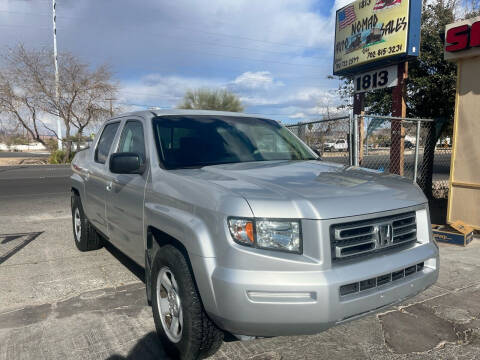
[462,45]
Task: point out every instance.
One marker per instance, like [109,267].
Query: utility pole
[57,95]
[358,109]
[399,109]
[111,106]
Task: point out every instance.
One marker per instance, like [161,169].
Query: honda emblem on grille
[385,235]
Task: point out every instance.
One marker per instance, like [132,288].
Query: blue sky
[275,54]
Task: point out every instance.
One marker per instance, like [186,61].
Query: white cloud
[258,91]
[299,115]
[254,80]
[275,54]
[162,91]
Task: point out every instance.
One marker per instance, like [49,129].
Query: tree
[28,92]
[206,99]
[431,80]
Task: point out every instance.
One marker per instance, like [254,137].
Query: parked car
[408,144]
[242,230]
[337,145]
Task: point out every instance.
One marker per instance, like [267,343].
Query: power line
[197,30]
[241,58]
[25,26]
[214,54]
[222,55]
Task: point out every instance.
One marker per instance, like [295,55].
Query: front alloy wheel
[169,305]
[86,237]
[185,330]
[77,224]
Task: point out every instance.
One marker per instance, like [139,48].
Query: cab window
[132,139]
[105,142]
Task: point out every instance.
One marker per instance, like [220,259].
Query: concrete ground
[58,303]
[10,158]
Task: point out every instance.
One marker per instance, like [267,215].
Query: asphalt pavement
[441,164]
[59,303]
[15,154]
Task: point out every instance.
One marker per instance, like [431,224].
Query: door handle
[109,186]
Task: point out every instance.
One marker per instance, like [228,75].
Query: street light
[57,95]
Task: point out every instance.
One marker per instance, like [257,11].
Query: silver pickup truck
[243,230]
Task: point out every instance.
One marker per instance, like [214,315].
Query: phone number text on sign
[378,79]
[390,50]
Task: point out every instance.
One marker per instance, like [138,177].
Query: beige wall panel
[465,206]
[464,203]
[467,144]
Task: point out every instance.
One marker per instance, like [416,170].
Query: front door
[125,198]
[95,185]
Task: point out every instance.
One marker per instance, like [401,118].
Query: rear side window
[132,139]
[105,142]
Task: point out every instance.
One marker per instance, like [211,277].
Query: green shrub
[51,144]
[58,157]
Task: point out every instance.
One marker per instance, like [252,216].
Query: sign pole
[358,109]
[399,109]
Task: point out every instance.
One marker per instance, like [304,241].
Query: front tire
[182,325]
[85,236]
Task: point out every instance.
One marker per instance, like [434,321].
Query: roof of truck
[163,112]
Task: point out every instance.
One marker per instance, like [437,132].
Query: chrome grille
[368,236]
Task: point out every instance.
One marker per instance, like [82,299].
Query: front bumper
[276,303]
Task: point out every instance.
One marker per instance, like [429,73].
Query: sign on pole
[375,33]
[376,79]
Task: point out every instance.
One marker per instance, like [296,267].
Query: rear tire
[85,236]
[175,300]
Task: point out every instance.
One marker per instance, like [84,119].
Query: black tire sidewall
[76,204]
[188,346]
[81,243]
[89,238]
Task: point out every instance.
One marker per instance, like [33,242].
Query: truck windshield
[185,141]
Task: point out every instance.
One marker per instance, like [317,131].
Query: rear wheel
[86,237]
[182,325]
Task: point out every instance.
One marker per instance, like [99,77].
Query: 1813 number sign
[377,79]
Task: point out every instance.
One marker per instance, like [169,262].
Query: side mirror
[126,163]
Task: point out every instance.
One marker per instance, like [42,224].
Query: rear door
[125,198]
[95,185]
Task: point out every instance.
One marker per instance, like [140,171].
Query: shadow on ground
[147,348]
[10,244]
[438,211]
[134,268]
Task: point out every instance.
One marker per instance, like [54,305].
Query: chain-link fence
[396,145]
[441,169]
[330,138]
[390,144]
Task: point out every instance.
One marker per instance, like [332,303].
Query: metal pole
[350,139]
[355,140]
[366,140]
[417,147]
[57,95]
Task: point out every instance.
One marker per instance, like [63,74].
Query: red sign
[463,37]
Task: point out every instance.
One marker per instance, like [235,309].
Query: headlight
[284,235]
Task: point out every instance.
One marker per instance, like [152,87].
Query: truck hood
[312,189]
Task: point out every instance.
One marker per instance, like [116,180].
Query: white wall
[30,147]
